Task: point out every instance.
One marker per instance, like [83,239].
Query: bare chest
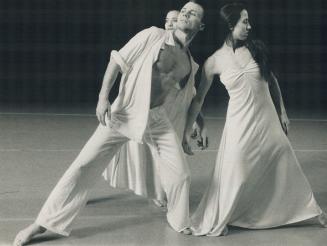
[173,65]
[171,71]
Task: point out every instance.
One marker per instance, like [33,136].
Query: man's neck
[182,38]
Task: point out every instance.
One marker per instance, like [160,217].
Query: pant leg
[70,193]
[158,190]
[159,193]
[173,169]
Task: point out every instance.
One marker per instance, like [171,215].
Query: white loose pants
[71,192]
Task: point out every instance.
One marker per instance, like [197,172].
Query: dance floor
[36,148]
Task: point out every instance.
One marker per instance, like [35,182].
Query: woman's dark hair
[230,14]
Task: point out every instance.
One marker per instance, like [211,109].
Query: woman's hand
[285,122]
[186,142]
[103,107]
[203,142]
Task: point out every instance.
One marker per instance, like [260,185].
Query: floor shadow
[107,198]
[111,226]
[45,238]
[310,223]
[322,199]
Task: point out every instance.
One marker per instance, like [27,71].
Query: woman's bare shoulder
[215,61]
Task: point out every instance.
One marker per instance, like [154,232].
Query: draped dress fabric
[257,181]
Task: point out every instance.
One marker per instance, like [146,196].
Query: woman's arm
[277,98]
[203,142]
[208,72]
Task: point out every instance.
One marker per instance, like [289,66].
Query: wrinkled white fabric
[71,193]
[130,109]
[257,181]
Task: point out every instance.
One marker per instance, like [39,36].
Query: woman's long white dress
[257,181]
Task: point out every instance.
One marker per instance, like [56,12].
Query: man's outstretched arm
[108,81]
[121,61]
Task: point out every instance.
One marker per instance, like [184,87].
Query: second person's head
[171,20]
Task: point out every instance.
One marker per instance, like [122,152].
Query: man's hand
[203,142]
[285,122]
[185,143]
[103,107]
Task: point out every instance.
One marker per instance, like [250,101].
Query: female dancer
[257,181]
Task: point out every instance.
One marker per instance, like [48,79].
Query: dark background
[55,51]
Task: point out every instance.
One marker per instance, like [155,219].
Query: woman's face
[171,20]
[242,28]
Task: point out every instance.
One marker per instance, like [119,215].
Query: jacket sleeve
[126,56]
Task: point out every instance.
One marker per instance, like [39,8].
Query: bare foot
[25,235]
[187,231]
[322,218]
[160,203]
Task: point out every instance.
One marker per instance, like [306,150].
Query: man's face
[171,20]
[190,18]
[242,27]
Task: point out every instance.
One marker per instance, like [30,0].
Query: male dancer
[153,63]
[134,167]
